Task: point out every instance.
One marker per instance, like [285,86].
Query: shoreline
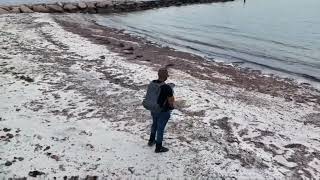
[72,106]
[249,79]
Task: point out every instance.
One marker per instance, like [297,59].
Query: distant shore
[103,6]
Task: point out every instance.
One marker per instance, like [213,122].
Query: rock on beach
[91,7]
[3,11]
[55,8]
[82,5]
[25,9]
[15,10]
[40,8]
[103,4]
[70,8]
[5,8]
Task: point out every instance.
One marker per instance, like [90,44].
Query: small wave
[227,48]
[307,76]
[220,27]
[139,29]
[253,54]
[267,40]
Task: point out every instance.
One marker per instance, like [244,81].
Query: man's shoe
[151,143]
[160,149]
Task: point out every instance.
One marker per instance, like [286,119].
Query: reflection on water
[277,35]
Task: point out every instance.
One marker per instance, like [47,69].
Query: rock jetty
[104,7]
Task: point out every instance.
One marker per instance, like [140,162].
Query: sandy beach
[71,93]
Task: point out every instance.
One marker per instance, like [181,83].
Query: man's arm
[166,96]
[171,101]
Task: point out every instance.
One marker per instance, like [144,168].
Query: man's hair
[162,72]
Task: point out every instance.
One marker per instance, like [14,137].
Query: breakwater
[104,7]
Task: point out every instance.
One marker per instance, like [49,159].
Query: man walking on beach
[160,101]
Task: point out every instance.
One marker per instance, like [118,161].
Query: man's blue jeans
[159,122]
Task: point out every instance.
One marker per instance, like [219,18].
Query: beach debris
[139,56]
[10,135]
[90,146]
[6,129]
[121,44]
[8,163]
[26,78]
[55,157]
[37,147]
[62,168]
[19,158]
[73,178]
[91,178]
[130,48]
[35,173]
[85,133]
[127,52]
[131,169]
[47,148]
[170,65]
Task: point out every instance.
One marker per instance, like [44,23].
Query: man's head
[163,74]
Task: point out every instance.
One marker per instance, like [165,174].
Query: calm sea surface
[279,36]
